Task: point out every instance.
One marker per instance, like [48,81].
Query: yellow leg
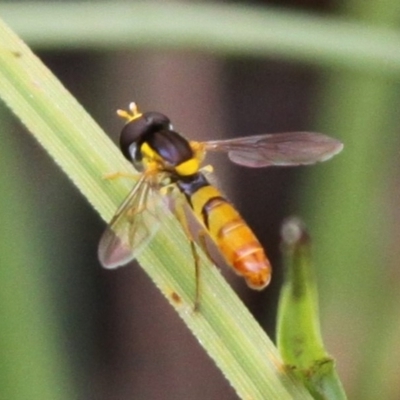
[202,241]
[180,215]
[119,174]
[203,245]
[196,305]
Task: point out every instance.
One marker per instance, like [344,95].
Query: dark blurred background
[96,334]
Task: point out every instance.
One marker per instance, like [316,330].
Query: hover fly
[170,165]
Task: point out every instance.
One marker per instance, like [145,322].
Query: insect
[171,165]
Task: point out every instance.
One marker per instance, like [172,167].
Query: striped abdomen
[235,240]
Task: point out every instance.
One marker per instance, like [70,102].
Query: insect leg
[202,241]
[182,219]
[196,305]
[203,244]
[120,174]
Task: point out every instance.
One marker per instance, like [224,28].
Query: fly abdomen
[234,239]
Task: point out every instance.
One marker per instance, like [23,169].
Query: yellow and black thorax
[148,140]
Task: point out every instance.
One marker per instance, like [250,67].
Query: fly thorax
[173,152]
[188,167]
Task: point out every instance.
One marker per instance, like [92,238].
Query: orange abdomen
[238,244]
[235,240]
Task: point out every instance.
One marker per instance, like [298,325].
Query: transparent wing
[133,226]
[280,149]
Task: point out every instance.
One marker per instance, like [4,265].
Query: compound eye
[137,130]
[131,133]
[135,157]
[157,120]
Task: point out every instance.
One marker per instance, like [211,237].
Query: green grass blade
[351,207]
[223,29]
[299,337]
[223,326]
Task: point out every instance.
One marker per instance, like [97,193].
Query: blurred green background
[70,330]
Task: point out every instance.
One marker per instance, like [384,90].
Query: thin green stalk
[298,333]
[223,326]
[220,28]
[352,223]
